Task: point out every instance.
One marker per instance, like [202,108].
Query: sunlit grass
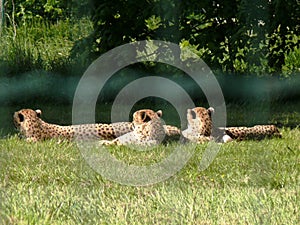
[248,182]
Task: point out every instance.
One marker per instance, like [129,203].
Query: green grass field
[249,182]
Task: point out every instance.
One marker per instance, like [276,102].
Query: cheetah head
[28,121]
[146,115]
[199,120]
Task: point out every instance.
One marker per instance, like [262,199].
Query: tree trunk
[1,14]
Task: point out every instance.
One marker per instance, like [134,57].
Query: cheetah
[148,130]
[200,129]
[33,128]
[199,125]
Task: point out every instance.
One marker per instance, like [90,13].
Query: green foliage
[291,59]
[234,36]
[248,182]
[24,11]
[241,37]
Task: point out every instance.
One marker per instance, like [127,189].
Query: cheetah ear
[38,112]
[21,117]
[211,111]
[145,117]
[193,113]
[159,113]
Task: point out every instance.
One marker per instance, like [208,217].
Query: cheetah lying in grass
[148,130]
[33,128]
[200,129]
[199,125]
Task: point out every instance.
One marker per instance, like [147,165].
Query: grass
[248,183]
[40,45]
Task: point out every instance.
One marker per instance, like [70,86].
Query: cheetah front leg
[108,143]
[31,139]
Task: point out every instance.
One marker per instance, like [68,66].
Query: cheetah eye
[21,117]
[193,114]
